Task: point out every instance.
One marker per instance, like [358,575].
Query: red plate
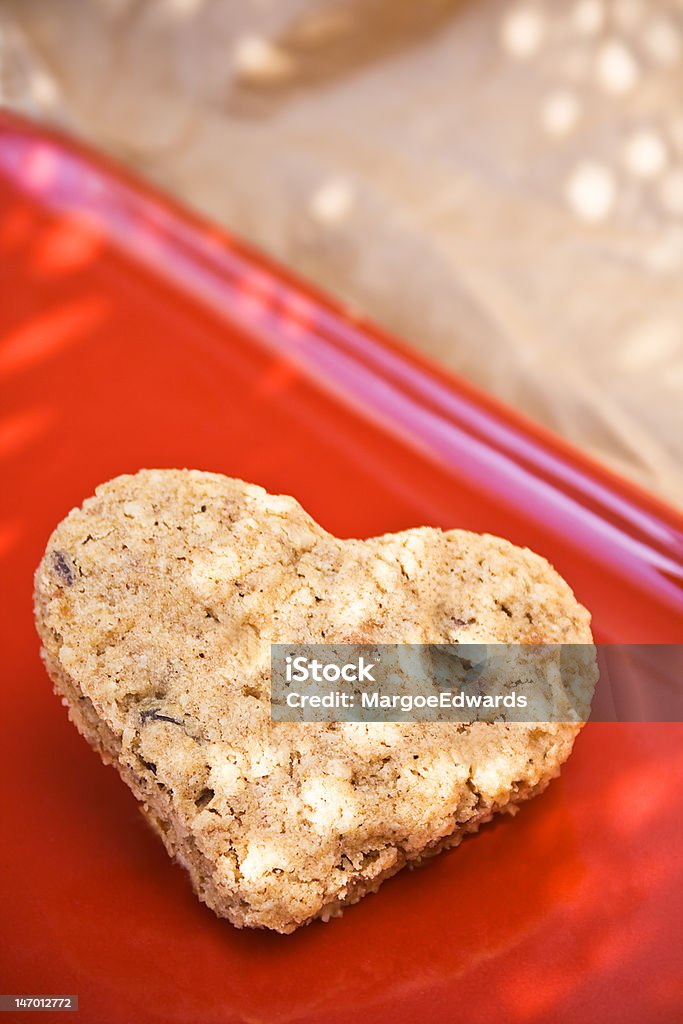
[133,335]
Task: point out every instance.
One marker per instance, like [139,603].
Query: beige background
[501,183]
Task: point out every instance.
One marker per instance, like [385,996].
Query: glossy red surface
[133,335]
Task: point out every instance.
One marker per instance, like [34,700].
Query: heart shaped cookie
[157,603]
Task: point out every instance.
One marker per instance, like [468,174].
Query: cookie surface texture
[157,602]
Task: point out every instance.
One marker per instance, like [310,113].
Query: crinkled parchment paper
[499,183]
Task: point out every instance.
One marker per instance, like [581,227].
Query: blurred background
[499,183]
